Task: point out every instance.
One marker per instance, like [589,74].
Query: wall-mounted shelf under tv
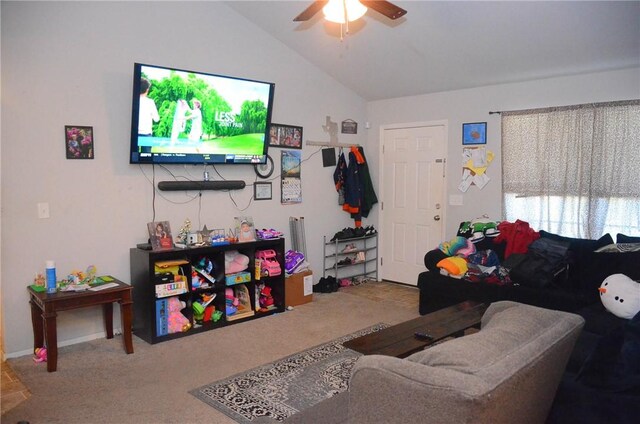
[201,185]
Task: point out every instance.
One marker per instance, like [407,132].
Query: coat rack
[331,144]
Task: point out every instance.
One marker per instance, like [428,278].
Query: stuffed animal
[235,261]
[620,295]
[177,322]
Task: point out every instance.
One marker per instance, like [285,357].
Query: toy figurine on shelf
[185,230]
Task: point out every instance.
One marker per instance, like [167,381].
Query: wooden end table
[400,341]
[45,308]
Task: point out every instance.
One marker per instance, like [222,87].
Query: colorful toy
[231,301]
[266,299]
[620,295]
[202,308]
[235,261]
[177,322]
[269,266]
[40,355]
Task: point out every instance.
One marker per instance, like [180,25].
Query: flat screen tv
[186,117]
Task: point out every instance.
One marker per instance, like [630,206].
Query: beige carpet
[97,382]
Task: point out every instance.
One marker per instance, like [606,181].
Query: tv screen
[182,117]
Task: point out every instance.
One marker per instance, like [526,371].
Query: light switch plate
[456,200]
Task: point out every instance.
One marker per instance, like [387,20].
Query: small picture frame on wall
[262,191]
[474,133]
[349,126]
[285,136]
[78,142]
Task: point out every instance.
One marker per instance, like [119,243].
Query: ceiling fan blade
[388,9]
[310,11]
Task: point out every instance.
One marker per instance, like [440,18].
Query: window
[573,170]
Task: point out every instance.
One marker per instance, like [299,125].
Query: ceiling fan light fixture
[343,11]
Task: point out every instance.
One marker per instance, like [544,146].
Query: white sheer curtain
[573,170]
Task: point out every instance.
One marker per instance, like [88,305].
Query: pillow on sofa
[431,259]
[596,266]
[621,238]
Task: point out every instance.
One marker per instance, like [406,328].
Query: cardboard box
[298,288]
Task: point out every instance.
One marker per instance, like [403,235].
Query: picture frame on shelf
[160,235]
[474,133]
[245,230]
[78,142]
[262,191]
[285,136]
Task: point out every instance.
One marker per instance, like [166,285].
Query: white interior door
[413,161]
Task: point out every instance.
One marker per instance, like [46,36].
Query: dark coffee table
[400,341]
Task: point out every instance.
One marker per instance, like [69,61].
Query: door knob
[436,218]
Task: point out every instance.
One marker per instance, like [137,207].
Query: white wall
[473,105]
[71,63]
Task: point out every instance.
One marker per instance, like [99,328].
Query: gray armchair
[507,372]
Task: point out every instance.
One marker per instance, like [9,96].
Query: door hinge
[380,260]
[381,206]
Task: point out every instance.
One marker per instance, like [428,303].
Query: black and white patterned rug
[273,392]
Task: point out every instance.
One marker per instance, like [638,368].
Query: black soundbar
[201,185]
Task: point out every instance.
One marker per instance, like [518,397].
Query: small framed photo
[244,229]
[349,126]
[160,235]
[78,142]
[474,133]
[285,136]
[262,191]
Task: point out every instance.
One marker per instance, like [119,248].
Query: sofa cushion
[621,238]
[504,333]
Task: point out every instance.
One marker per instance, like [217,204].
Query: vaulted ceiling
[442,46]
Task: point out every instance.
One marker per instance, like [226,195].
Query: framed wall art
[78,142]
[262,191]
[285,136]
[474,133]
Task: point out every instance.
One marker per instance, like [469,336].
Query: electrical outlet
[43,210]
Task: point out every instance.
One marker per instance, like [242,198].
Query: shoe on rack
[370,230]
[359,232]
[351,247]
[360,257]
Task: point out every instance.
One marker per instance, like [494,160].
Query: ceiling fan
[345,13]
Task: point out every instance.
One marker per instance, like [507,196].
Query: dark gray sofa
[574,289]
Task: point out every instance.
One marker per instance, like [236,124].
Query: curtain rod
[555,108]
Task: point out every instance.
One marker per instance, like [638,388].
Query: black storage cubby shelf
[335,257]
[145,278]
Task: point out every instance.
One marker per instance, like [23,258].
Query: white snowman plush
[620,295]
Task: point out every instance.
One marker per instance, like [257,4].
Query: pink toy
[270,266]
[231,301]
[235,261]
[177,321]
[41,355]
